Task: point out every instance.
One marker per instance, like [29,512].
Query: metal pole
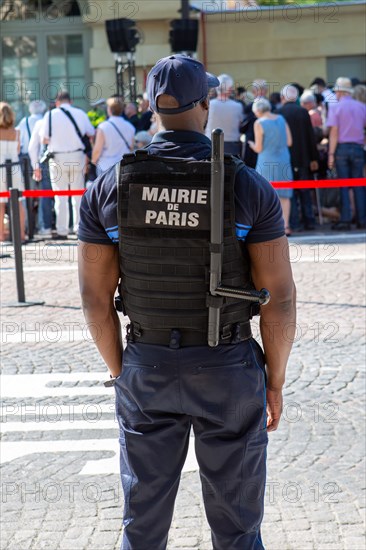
[9,185]
[131,75]
[133,78]
[17,243]
[318,202]
[185,9]
[119,76]
[29,202]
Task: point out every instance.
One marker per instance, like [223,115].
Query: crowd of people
[300,134]
[291,135]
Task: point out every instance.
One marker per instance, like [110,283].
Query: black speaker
[184,35]
[122,34]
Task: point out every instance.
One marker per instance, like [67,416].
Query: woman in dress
[9,150]
[272,140]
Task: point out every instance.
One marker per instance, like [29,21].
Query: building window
[346,65]
[20,70]
[38,59]
[15,10]
[66,65]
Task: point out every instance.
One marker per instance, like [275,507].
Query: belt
[174,338]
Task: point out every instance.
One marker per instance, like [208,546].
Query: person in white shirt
[67,167]
[26,125]
[41,174]
[318,86]
[115,137]
[227,114]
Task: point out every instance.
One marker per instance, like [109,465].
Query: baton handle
[261,297]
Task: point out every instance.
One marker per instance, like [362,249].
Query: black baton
[218,293]
[217,233]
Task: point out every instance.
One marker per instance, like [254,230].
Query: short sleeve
[332,119]
[258,212]
[89,128]
[98,211]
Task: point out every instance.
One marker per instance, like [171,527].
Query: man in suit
[304,154]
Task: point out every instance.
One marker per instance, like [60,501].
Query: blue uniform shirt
[258,212]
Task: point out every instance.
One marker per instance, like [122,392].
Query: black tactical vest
[164,240]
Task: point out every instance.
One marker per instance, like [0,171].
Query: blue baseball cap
[181,77]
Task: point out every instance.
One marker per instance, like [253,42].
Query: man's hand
[37,174]
[314,166]
[330,161]
[274,409]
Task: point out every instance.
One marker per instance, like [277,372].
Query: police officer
[154,206]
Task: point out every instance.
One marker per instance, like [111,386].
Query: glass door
[44,49]
[66,66]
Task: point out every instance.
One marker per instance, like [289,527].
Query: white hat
[343,84]
[226,83]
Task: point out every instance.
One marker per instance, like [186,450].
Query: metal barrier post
[9,185]
[17,242]
[29,202]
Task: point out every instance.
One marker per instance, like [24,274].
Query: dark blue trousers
[160,395]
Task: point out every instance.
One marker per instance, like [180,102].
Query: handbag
[84,139]
[91,172]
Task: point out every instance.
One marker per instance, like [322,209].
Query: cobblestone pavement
[60,483]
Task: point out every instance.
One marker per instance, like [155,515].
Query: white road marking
[35,385]
[13,450]
[53,417]
[33,425]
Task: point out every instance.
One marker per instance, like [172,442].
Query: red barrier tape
[318,184]
[304,184]
[46,193]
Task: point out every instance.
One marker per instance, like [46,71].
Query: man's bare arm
[333,142]
[271,269]
[98,280]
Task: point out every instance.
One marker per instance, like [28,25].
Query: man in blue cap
[144,228]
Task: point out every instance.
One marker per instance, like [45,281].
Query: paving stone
[103,541]
[352,543]
[112,525]
[321,451]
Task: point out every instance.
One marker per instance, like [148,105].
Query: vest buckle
[136,329]
[226,332]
